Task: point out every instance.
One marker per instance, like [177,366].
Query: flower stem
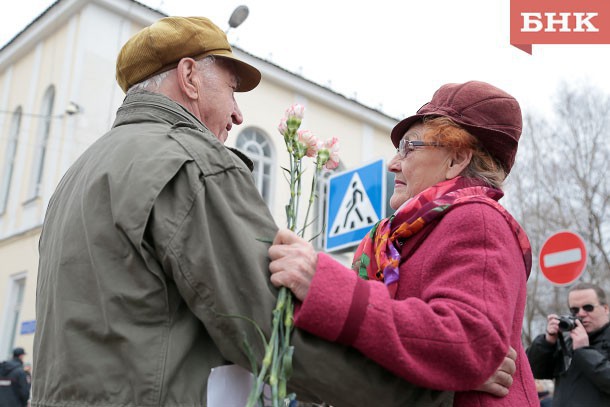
[312,197]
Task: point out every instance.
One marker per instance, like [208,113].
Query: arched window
[42,140]
[319,223]
[13,306]
[255,144]
[9,159]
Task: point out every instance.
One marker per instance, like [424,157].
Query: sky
[387,54]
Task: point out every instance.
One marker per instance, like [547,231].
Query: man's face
[217,107]
[595,319]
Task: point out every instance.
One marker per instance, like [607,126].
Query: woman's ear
[458,163]
[187,77]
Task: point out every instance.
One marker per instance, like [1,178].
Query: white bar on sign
[563,257]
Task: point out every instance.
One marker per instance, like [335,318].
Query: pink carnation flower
[328,154]
[283,127]
[333,147]
[296,111]
[309,142]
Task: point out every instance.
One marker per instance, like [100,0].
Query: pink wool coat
[459,305]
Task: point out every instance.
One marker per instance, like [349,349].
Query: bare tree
[560,181]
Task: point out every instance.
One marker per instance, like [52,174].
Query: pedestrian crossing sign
[356,201]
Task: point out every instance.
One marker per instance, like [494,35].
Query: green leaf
[256,326]
[286,370]
[250,354]
[264,240]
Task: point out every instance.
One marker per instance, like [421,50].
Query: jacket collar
[599,332]
[156,107]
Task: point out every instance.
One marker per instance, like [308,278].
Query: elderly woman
[437,291]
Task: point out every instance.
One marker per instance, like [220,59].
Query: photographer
[575,350]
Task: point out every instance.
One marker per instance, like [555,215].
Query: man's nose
[236,116]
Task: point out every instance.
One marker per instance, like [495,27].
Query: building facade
[58,94]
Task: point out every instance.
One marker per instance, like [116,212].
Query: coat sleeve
[541,356]
[22,386]
[456,331]
[594,365]
[220,267]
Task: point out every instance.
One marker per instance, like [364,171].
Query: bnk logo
[563,22]
[559,22]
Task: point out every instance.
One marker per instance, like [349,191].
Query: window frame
[42,143]
[9,158]
[251,137]
[13,306]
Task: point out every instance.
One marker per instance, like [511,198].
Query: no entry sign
[563,257]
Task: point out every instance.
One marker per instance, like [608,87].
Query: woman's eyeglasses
[586,308]
[406,146]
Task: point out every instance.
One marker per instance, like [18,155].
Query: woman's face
[420,169]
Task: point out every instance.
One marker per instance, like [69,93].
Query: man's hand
[579,336]
[552,329]
[499,382]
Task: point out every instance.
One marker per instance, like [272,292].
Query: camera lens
[567,323]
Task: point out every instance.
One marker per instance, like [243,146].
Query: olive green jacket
[149,241]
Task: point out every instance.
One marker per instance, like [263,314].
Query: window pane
[256,145]
[42,140]
[14,311]
[9,159]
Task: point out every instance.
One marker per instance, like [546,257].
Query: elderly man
[152,239]
[577,356]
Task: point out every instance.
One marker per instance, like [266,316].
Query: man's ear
[458,163]
[188,79]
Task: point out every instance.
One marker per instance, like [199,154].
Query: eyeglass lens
[586,308]
[405,146]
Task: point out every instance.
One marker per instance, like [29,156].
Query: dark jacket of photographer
[582,376]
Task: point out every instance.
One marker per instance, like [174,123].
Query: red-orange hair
[446,132]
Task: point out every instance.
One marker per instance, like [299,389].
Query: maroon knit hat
[488,113]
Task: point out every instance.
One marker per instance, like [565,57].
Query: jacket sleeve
[594,365]
[541,356]
[22,386]
[455,332]
[220,267]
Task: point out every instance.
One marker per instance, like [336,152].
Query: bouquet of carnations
[276,366]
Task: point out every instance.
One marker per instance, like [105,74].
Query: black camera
[567,322]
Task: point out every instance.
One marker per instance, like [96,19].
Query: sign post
[563,257]
[356,201]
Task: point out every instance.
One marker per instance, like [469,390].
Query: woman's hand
[500,381]
[293,263]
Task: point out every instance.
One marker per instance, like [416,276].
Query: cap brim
[485,136]
[400,129]
[249,76]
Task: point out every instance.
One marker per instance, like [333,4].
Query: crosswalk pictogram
[356,210]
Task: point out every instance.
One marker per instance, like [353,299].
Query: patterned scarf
[378,255]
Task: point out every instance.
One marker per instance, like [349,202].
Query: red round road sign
[563,257]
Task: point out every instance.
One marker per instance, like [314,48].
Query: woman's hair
[153,83]
[482,166]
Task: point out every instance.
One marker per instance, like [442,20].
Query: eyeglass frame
[406,146]
[586,308]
